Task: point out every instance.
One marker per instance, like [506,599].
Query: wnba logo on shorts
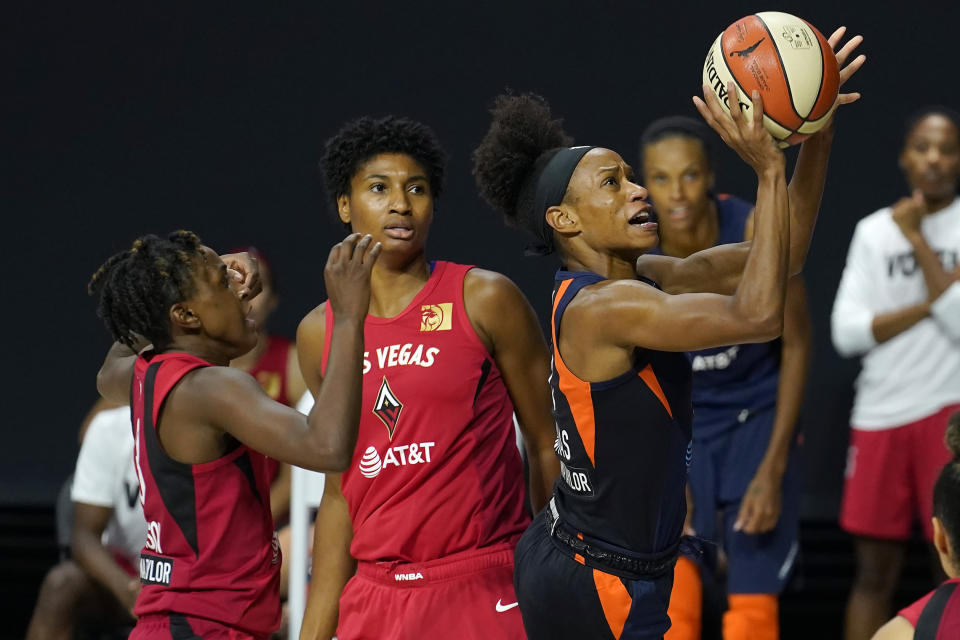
[436,317]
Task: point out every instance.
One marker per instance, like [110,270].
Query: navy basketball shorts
[561,598]
[721,469]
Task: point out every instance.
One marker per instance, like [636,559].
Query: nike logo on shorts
[505,607]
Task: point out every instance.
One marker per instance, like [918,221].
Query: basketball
[788,61]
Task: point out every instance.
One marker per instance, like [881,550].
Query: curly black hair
[522,138]
[930,110]
[360,140]
[678,127]
[138,286]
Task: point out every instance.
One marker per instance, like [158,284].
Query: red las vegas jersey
[436,470]
[211,551]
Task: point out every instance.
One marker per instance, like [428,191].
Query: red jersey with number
[271,369]
[436,470]
[211,551]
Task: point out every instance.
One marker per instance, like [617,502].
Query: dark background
[145,117]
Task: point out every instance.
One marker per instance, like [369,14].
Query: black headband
[550,188]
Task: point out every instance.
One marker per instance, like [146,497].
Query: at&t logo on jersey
[714,361]
[371,464]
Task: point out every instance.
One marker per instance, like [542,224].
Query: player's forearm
[805,193]
[889,325]
[794,366]
[544,467]
[935,276]
[88,552]
[335,417]
[113,379]
[333,566]
[759,298]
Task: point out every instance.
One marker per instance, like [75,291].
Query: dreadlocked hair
[138,286]
[514,150]
[946,492]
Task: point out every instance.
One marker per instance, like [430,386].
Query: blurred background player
[898,306]
[937,615]
[418,534]
[745,482]
[95,589]
[203,431]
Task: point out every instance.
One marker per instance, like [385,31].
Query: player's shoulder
[602,298]
[315,321]
[878,222]
[492,291]
[207,384]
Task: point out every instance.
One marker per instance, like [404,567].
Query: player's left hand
[246,272]
[760,507]
[908,213]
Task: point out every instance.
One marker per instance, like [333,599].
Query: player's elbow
[766,326]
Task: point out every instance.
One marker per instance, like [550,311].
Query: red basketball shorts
[175,626]
[468,596]
[890,476]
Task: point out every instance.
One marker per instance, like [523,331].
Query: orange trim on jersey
[579,558]
[576,391]
[650,378]
[614,599]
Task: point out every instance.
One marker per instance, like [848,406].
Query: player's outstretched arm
[810,172]
[718,269]
[333,565]
[507,323]
[636,314]
[232,401]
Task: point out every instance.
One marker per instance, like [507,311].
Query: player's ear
[343,208]
[563,220]
[184,317]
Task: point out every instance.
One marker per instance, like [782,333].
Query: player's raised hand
[843,54]
[744,133]
[347,276]
[245,274]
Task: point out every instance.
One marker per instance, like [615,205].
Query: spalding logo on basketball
[788,61]
[370,463]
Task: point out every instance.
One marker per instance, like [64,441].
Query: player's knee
[876,576]
[752,616]
[62,587]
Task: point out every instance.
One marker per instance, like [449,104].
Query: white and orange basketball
[788,61]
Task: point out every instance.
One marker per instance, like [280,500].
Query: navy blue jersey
[742,376]
[623,443]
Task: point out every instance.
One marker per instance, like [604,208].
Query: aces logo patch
[387,407]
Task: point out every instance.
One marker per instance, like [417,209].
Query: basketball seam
[823,71]
[783,66]
[723,56]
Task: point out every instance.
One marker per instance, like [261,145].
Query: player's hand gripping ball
[788,61]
